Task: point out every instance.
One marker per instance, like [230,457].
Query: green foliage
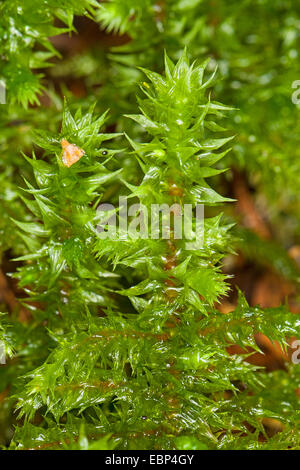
[156,374]
[255,45]
[60,235]
[25,28]
[6,349]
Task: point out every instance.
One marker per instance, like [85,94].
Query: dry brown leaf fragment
[71,153]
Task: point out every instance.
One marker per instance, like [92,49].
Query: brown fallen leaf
[71,153]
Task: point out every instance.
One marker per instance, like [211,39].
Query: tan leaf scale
[71,153]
